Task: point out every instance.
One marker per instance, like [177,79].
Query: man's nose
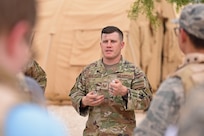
[109,43]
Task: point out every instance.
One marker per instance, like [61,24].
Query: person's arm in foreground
[163,110]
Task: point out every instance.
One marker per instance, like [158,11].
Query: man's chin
[109,57]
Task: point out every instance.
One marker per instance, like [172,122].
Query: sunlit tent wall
[67,38]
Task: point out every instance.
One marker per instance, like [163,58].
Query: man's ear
[122,44]
[183,35]
[16,36]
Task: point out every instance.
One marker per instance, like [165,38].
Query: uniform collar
[194,58]
[102,69]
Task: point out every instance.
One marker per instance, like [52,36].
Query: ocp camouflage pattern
[35,71]
[114,117]
[164,109]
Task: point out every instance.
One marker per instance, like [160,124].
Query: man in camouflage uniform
[34,71]
[165,109]
[110,89]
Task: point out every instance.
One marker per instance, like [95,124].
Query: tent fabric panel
[86,47]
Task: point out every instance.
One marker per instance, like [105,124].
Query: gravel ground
[74,123]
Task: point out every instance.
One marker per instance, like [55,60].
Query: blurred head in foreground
[17,20]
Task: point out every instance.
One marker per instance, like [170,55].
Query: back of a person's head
[13,11]
[192,21]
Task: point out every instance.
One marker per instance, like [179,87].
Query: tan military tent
[68,34]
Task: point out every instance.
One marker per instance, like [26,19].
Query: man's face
[111,46]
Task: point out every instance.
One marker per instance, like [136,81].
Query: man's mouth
[109,51]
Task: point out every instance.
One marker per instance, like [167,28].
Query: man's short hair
[112,29]
[13,11]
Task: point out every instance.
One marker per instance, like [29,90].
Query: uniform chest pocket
[92,84]
[126,79]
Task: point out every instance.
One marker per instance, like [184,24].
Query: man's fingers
[98,100]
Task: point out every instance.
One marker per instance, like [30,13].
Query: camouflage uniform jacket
[114,117]
[191,122]
[166,106]
[34,71]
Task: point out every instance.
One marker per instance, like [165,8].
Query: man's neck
[112,61]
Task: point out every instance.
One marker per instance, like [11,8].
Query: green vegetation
[146,7]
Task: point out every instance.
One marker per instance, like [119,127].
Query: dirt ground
[74,123]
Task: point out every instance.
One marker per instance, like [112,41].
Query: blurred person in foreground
[165,109]
[18,18]
[18,117]
[110,89]
[10,95]
[15,29]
